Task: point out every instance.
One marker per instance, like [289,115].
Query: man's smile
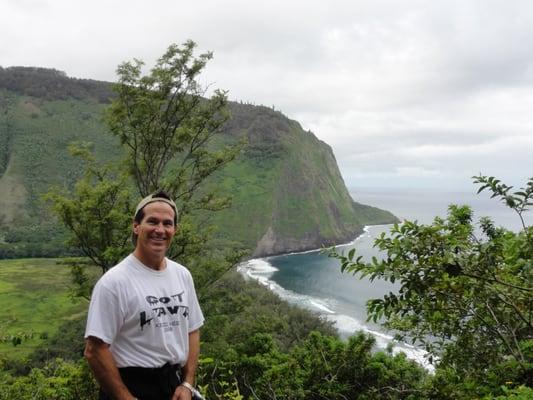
[159,239]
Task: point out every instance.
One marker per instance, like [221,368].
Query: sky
[409,94]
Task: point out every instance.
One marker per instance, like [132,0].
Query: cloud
[412,92]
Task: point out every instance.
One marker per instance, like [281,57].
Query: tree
[465,296]
[171,137]
[165,123]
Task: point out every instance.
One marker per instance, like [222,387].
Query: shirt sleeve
[105,317]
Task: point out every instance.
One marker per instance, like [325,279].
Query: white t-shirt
[145,315]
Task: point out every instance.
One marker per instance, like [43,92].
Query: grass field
[34,297]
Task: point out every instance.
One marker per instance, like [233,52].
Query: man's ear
[135,228]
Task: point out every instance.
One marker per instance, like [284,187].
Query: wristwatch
[188,386]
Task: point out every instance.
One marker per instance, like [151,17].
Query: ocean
[314,281]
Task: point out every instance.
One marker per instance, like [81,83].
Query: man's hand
[182,393]
[189,369]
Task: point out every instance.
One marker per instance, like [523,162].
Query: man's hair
[160,195]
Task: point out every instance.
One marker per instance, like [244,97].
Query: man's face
[155,231]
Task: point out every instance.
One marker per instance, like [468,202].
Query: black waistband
[143,371]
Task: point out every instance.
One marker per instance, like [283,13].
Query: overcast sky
[408,93]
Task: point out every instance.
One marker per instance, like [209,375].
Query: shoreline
[365,231]
[346,324]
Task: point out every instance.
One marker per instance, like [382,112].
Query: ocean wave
[261,271]
[260,266]
[321,306]
[347,326]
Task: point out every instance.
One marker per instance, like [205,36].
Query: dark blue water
[313,280]
[317,275]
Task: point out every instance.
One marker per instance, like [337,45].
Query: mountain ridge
[286,182]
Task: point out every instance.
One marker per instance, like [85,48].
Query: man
[142,335]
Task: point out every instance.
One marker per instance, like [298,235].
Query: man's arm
[189,369]
[105,369]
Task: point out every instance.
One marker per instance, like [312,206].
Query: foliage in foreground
[317,368]
[320,367]
[254,344]
[57,380]
[466,297]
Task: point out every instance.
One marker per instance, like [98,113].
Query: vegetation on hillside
[34,137]
[285,180]
[51,84]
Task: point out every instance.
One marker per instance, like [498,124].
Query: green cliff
[288,194]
